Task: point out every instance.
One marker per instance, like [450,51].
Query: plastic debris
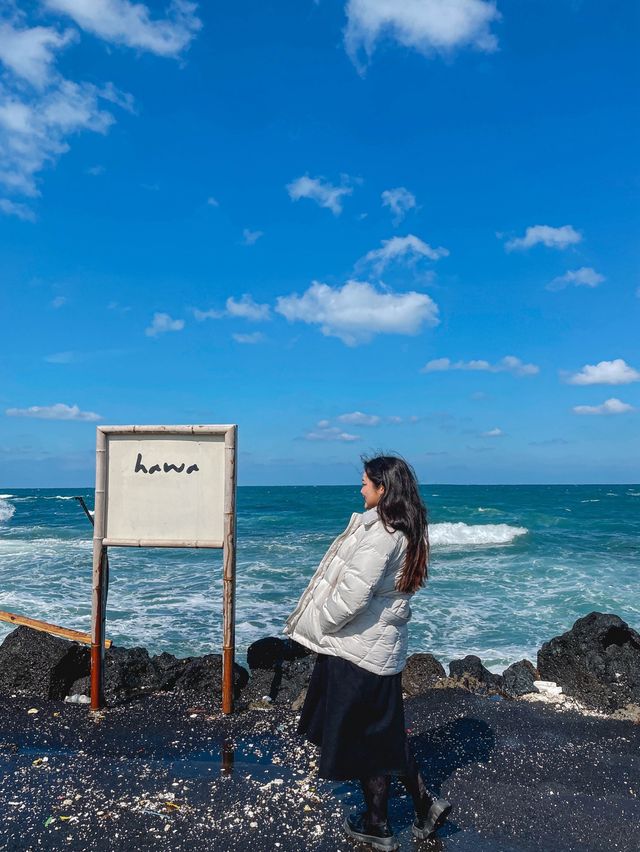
[48,821]
[548,687]
[77,699]
[32,711]
[155,813]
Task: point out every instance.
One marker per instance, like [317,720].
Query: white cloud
[409,248]
[358,311]
[249,238]
[14,208]
[251,339]
[213,202]
[60,358]
[30,53]
[399,200]
[59,301]
[610,406]
[320,191]
[359,418]
[162,323]
[616,372]
[558,238]
[59,411]
[325,432]
[131,24]
[508,364]
[96,171]
[205,315]
[34,131]
[40,110]
[116,306]
[247,308]
[583,277]
[426,25]
[493,433]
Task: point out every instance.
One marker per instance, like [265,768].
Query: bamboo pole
[229,569]
[167,430]
[46,627]
[141,542]
[99,598]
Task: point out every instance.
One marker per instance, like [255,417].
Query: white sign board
[165,488]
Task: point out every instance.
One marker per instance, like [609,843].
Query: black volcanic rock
[472,666]
[45,666]
[128,671]
[282,685]
[270,652]
[420,673]
[131,671]
[518,678]
[40,664]
[597,662]
[203,676]
[265,653]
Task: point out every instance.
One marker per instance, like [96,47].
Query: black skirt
[356,717]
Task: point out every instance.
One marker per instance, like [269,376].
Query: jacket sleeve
[356,586]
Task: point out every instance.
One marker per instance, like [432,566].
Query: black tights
[376,791]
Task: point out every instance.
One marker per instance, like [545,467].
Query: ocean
[511,567]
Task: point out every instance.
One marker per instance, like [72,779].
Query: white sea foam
[6,496]
[449,534]
[590,501]
[6,511]
[42,546]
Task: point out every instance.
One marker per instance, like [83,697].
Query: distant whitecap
[6,511]
[451,534]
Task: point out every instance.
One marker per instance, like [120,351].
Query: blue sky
[346,226]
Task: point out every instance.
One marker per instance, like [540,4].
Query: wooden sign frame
[101,543]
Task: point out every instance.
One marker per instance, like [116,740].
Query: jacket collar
[370,516]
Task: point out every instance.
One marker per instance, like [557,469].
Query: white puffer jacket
[351,608]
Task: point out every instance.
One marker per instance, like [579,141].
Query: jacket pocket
[398,613]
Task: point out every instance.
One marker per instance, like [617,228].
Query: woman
[354,614]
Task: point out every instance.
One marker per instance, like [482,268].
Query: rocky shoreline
[163,768]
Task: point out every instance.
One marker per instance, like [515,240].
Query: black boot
[379,836]
[430,813]
[372,826]
[425,827]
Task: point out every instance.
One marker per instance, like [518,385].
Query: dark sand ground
[148,775]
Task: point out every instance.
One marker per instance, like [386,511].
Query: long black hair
[402,508]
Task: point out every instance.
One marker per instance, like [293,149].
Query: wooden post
[99,596]
[47,627]
[229,570]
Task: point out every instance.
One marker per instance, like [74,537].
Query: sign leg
[229,572]
[98,616]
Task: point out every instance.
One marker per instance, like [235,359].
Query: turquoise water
[511,567]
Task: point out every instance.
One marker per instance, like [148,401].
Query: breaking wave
[6,511]
[452,534]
